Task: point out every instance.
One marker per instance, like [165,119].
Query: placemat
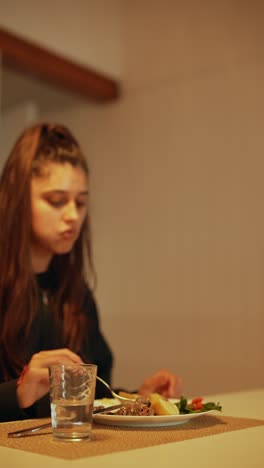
[109,439]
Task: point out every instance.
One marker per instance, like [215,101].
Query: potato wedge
[161,406]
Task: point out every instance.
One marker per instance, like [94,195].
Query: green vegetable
[186,408]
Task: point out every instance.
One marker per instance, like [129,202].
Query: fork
[114,394]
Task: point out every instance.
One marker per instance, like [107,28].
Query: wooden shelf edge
[56,69]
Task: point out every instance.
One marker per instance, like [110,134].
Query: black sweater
[44,337]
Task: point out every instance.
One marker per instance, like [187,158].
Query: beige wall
[12,123]
[87,31]
[177,195]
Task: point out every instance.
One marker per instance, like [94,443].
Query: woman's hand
[163,382]
[34,383]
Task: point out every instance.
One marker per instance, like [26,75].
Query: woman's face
[59,207]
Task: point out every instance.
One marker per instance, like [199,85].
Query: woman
[47,311]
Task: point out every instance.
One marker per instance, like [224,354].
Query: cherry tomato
[197,403]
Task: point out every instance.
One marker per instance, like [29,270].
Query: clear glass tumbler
[72,390]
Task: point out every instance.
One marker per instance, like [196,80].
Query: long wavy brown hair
[18,287]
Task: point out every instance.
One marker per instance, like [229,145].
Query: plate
[141,421]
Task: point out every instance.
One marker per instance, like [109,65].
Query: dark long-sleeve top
[44,337]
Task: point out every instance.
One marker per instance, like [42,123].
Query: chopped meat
[139,407]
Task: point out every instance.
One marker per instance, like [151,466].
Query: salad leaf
[186,407]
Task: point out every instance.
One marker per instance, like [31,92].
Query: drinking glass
[72,390]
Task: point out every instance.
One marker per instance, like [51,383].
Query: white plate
[141,421]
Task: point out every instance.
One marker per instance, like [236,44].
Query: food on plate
[196,405]
[157,405]
[109,401]
[162,406]
[139,407]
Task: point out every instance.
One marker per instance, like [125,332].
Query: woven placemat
[109,439]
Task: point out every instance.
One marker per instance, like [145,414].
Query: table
[240,448]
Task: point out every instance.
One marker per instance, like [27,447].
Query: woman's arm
[18,397]
[34,383]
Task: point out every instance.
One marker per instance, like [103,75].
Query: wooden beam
[27,57]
